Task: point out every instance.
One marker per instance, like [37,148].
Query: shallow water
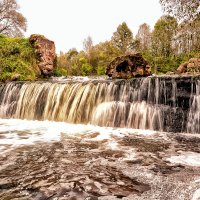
[16,132]
[56,160]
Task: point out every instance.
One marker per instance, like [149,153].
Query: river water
[96,139]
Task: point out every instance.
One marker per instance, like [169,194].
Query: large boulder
[45,52]
[192,66]
[128,66]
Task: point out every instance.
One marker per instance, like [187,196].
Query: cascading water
[9,95]
[80,139]
[154,103]
[138,115]
[193,125]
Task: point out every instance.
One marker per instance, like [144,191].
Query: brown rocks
[45,52]
[128,66]
[15,77]
[192,66]
[182,68]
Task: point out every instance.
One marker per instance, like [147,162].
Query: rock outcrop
[192,66]
[45,52]
[128,66]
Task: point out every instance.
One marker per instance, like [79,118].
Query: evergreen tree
[123,38]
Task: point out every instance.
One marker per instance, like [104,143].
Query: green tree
[72,53]
[86,68]
[162,36]
[12,23]
[123,38]
[105,52]
[62,60]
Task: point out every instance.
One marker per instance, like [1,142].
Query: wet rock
[128,66]
[188,143]
[167,169]
[190,67]
[145,145]
[45,51]
[57,170]
[6,184]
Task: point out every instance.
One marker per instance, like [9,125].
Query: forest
[174,39]
[165,47]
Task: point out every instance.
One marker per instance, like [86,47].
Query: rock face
[45,52]
[128,66]
[192,66]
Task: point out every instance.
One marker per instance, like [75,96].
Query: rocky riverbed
[89,163]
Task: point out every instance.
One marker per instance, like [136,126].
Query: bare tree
[88,47]
[12,23]
[187,38]
[88,44]
[183,10]
[144,37]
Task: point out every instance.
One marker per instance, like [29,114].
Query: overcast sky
[69,22]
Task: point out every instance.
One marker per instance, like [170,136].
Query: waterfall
[156,103]
[9,95]
[138,115]
[193,125]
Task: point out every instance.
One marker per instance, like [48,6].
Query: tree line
[174,39]
[165,47]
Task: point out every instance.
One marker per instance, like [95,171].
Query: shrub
[58,71]
[17,57]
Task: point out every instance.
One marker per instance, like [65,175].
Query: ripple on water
[101,161]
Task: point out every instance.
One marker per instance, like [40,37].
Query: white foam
[17,132]
[196,195]
[130,155]
[197,181]
[113,145]
[186,158]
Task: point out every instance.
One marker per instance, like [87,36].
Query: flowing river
[81,138]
